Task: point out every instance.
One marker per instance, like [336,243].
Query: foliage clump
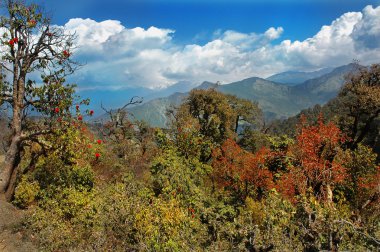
[195,193]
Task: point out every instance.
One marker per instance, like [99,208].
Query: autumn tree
[31,44]
[242,172]
[315,162]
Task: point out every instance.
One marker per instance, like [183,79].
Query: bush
[26,193]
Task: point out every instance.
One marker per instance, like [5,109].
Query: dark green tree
[218,115]
[360,102]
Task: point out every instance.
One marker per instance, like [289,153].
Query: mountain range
[295,77]
[278,99]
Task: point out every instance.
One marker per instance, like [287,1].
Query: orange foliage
[314,165]
[239,169]
[317,146]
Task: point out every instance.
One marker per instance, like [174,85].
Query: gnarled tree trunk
[8,173]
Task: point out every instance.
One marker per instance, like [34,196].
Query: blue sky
[153,44]
[195,21]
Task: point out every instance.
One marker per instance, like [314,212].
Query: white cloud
[120,56]
[92,34]
[366,33]
[250,41]
[273,33]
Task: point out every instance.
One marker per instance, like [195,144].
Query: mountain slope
[275,99]
[322,89]
[154,111]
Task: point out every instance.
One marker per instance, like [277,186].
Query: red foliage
[314,164]
[287,185]
[317,146]
[239,169]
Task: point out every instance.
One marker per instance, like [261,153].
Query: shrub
[26,193]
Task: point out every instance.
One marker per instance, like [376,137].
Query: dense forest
[218,179]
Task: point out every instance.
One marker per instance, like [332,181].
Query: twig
[356,230]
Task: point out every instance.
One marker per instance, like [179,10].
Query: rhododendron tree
[31,44]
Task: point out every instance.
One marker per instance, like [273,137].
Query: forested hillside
[217,178]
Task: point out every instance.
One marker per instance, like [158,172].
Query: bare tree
[118,118]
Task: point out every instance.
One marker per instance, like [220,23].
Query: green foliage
[165,226]
[270,224]
[52,173]
[217,115]
[26,193]
[174,176]
[280,143]
[66,221]
[66,164]
[360,103]
[362,169]
[329,226]
[53,99]
[252,140]
[178,206]
[123,216]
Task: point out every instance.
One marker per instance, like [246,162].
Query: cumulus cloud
[273,33]
[117,56]
[366,33]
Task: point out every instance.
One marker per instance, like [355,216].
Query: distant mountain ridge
[154,111]
[277,100]
[295,77]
